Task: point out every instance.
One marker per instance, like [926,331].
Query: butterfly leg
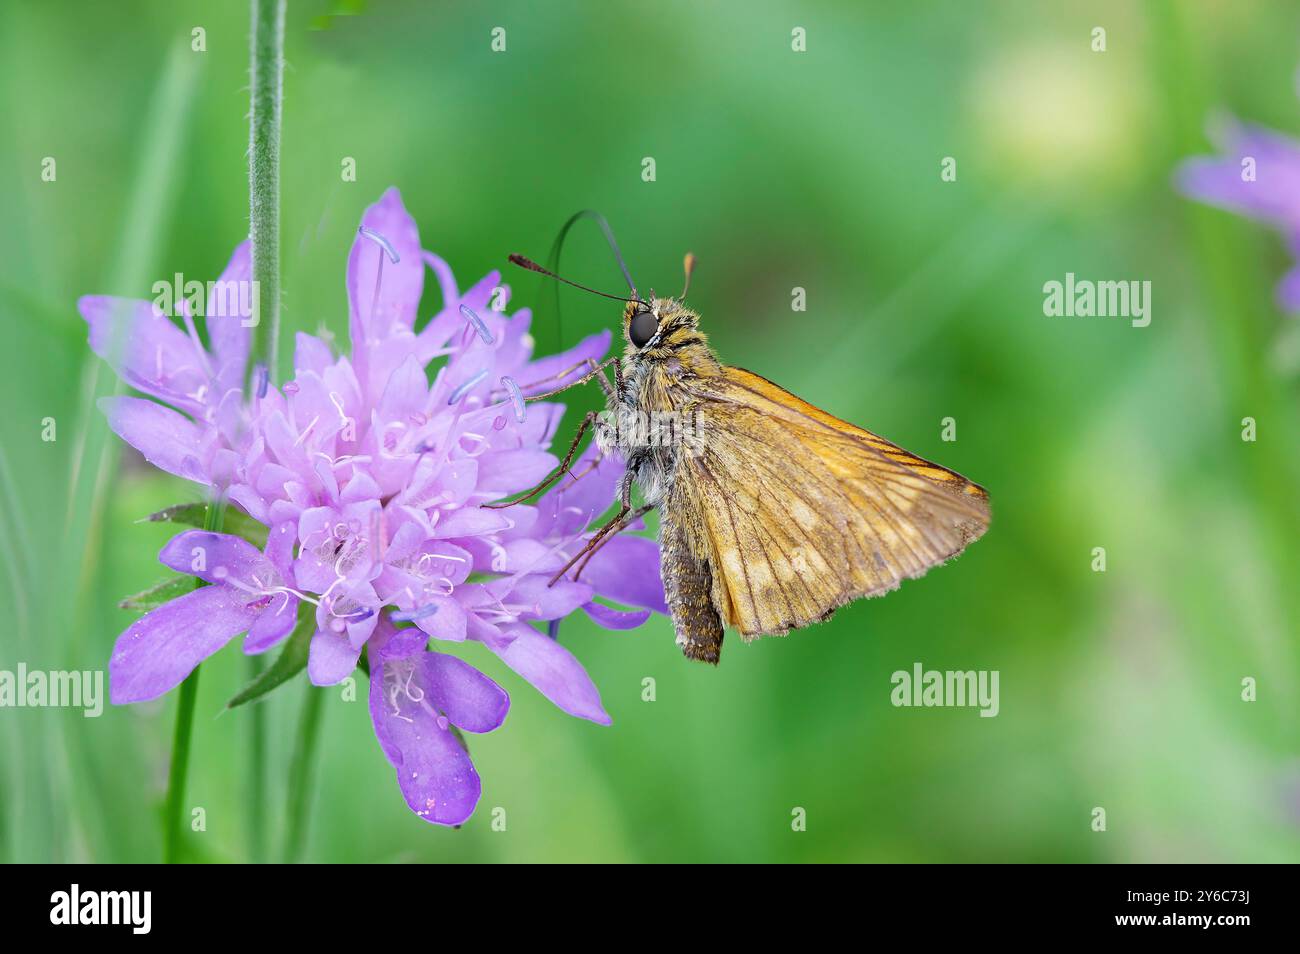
[557,473]
[625,495]
[616,391]
[591,465]
[628,518]
[594,370]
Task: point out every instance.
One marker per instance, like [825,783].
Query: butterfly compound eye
[643,328]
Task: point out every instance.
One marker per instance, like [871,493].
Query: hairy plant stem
[266,59]
[267,87]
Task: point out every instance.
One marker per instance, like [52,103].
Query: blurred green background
[819,170]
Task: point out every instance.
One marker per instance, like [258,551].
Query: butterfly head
[658,323]
[662,325]
[655,328]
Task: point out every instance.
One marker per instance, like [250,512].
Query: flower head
[371,469]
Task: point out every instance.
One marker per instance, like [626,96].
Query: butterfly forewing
[797,512]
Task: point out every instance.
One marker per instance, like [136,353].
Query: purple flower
[1257,175]
[372,469]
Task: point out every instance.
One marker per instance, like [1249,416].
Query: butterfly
[772,512]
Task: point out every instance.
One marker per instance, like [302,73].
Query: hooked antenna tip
[688,266]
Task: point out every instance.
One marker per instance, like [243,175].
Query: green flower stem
[177,773]
[300,769]
[179,767]
[256,716]
[264,175]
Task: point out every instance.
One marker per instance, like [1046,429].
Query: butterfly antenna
[534,267]
[688,266]
[554,262]
[599,219]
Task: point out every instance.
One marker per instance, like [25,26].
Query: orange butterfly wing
[782,513]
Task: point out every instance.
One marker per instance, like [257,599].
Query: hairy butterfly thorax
[654,420]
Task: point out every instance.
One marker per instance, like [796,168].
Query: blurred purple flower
[1256,175]
[378,477]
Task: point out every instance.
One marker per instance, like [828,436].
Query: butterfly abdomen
[689,590]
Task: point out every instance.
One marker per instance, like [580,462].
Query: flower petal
[516,343]
[389,642]
[310,354]
[449,322]
[146,350]
[331,658]
[464,695]
[162,647]
[400,284]
[1273,194]
[229,306]
[273,623]
[405,393]
[448,622]
[506,472]
[168,440]
[539,376]
[251,502]
[216,557]
[279,549]
[615,619]
[551,669]
[470,522]
[543,599]
[434,771]
[626,570]
[1288,290]
[571,505]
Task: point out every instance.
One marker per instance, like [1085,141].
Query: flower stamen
[516,398]
[466,386]
[479,324]
[410,616]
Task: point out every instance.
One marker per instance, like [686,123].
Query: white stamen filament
[466,386]
[479,446]
[306,430]
[478,324]
[337,400]
[516,398]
